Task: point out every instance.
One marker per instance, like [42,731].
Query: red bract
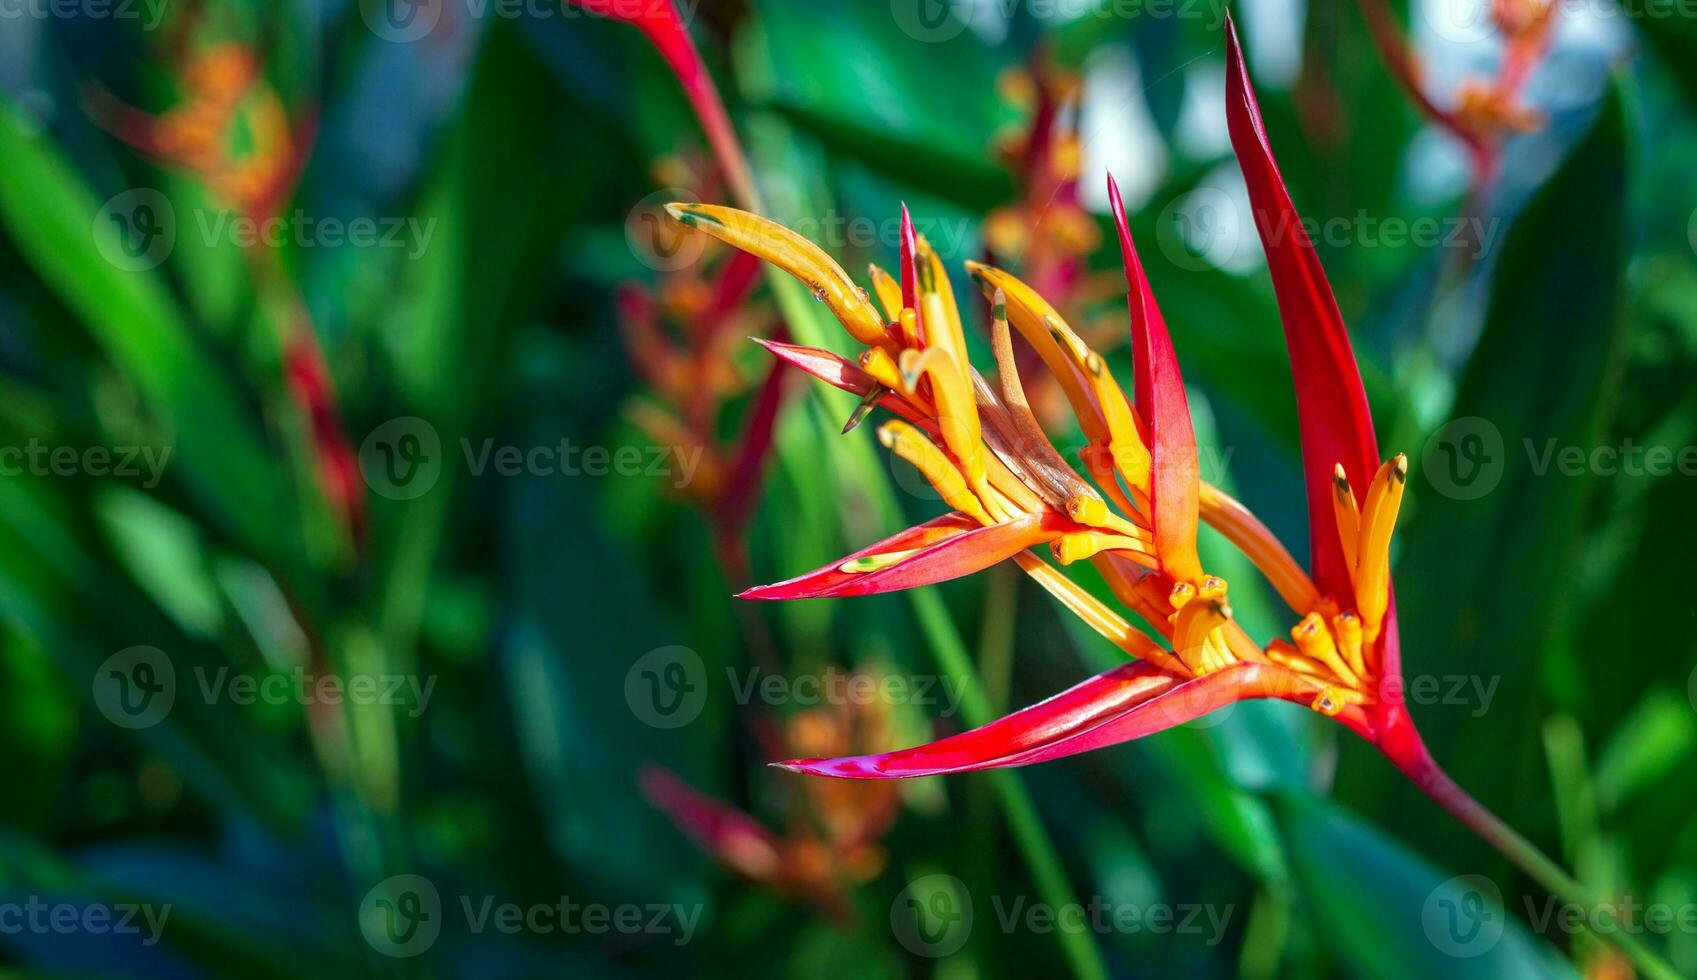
[1331,403]
[666,30]
[1173,505]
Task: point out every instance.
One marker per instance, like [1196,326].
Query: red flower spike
[733,505]
[731,836]
[1331,405]
[1125,703]
[1175,474]
[735,283]
[938,550]
[910,271]
[659,20]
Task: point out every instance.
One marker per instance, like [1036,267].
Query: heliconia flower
[833,829]
[231,128]
[1485,110]
[232,131]
[1134,510]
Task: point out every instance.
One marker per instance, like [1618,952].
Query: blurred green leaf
[1486,579]
[1671,34]
[864,79]
[1645,746]
[1384,913]
[57,225]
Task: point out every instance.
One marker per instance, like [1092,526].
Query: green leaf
[865,79]
[1485,585]
[1645,746]
[1385,913]
[220,453]
[1670,34]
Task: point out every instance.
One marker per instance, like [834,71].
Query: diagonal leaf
[1384,913]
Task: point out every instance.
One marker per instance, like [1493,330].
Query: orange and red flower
[1135,509]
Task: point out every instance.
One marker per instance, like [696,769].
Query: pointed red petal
[1175,475]
[910,272]
[836,371]
[659,20]
[1337,425]
[729,835]
[841,373]
[946,548]
[1128,702]
[736,280]
[731,509]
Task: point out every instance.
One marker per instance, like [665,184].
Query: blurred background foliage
[525,140]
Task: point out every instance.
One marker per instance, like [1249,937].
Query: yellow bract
[795,255]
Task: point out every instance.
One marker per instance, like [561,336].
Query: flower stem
[1446,793]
